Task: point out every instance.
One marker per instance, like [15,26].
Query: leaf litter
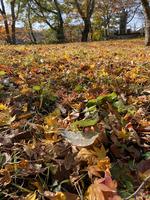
[77,124]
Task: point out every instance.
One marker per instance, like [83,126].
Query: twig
[139,188]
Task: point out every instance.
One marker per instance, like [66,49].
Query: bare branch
[139,188]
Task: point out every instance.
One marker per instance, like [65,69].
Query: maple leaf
[3,107]
[102,189]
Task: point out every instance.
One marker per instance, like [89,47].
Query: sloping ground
[75,121]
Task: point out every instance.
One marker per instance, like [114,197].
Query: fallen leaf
[31,196]
[79,138]
[5,177]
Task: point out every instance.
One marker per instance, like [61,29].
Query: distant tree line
[94,18]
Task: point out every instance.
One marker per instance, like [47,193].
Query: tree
[10,19]
[51,13]
[114,15]
[5,19]
[127,10]
[146,8]
[105,15]
[86,10]
[31,32]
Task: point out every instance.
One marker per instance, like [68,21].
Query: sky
[135,24]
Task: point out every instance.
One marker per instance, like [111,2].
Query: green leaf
[146,155]
[91,103]
[102,98]
[36,87]
[79,88]
[86,122]
[131,110]
[111,97]
[120,106]
[91,109]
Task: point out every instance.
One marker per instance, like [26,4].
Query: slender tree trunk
[60,30]
[8,38]
[146,7]
[3,13]
[32,36]
[85,32]
[13,25]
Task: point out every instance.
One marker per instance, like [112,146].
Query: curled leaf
[79,138]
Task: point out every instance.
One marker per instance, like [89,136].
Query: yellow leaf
[38,186]
[31,196]
[60,196]
[94,192]
[92,66]
[55,196]
[104,164]
[88,156]
[3,107]
[25,90]
[123,134]
[100,153]
[50,121]
[5,118]
[21,76]
[25,107]
[145,174]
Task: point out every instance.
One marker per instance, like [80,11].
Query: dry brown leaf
[23,164]
[88,156]
[5,178]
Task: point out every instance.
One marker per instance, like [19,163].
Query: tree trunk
[8,38]
[60,34]
[123,22]
[147,32]
[32,36]
[13,25]
[3,13]
[85,32]
[60,30]
[146,7]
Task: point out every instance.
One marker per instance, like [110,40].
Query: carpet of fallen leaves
[75,121]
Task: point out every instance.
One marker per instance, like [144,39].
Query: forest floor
[75,121]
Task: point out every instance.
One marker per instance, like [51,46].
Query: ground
[74,121]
